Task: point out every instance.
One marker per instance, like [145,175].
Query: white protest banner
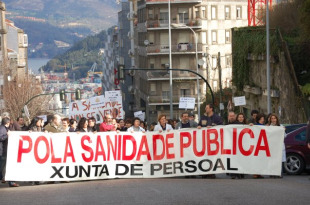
[140,115]
[98,107]
[86,156]
[239,101]
[114,103]
[187,103]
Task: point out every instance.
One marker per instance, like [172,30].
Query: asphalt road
[223,190]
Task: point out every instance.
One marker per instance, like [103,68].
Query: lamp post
[268,60]
[197,65]
[170,61]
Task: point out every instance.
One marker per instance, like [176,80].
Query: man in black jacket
[210,119]
[4,128]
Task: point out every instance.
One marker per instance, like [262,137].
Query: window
[213,12]
[227,36]
[165,91]
[151,63]
[238,12]
[301,136]
[153,87]
[214,62]
[185,93]
[227,12]
[163,16]
[151,14]
[203,12]
[184,64]
[151,38]
[197,12]
[228,61]
[214,37]
[183,15]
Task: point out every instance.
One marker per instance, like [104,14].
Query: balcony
[180,48]
[177,76]
[172,1]
[164,23]
[165,100]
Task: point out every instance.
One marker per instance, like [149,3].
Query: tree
[17,93]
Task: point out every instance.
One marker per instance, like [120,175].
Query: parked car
[297,152]
[291,128]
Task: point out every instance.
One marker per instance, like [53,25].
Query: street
[223,190]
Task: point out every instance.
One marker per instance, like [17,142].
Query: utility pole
[220,78]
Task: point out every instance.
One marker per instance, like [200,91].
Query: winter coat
[3,139]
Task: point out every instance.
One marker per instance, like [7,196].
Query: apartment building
[110,60]
[211,21]
[124,41]
[13,52]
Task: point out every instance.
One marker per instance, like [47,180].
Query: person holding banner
[73,124]
[209,119]
[136,126]
[185,122]
[162,124]
[36,125]
[121,125]
[54,125]
[107,125]
[82,125]
[92,125]
[4,130]
[274,121]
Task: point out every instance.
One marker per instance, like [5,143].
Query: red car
[297,152]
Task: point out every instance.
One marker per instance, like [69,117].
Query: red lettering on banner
[259,147]
[155,147]
[54,159]
[101,151]
[146,152]
[86,105]
[36,144]
[75,106]
[234,141]
[240,142]
[111,147]
[182,144]
[68,153]
[223,150]
[87,148]
[22,150]
[119,147]
[212,141]
[203,149]
[91,114]
[134,150]
[169,145]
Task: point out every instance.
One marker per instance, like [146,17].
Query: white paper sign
[140,115]
[187,103]
[239,101]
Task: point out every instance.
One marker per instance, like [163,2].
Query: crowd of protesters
[56,124]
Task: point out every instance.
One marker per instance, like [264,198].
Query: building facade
[211,21]
[124,42]
[13,53]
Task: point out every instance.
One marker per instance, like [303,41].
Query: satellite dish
[201,62]
[146,42]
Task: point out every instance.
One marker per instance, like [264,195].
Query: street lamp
[197,65]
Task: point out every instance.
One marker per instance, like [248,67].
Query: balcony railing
[176,75]
[172,1]
[166,99]
[164,23]
[180,47]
